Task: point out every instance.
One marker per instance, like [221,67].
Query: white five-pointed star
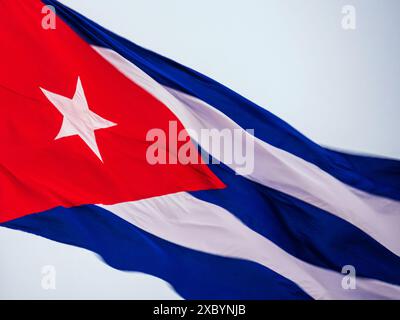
[78,119]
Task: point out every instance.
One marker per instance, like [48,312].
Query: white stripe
[278,169]
[199,225]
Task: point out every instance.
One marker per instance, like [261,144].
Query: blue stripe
[302,230]
[193,274]
[374,175]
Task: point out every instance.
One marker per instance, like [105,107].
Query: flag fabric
[76,104]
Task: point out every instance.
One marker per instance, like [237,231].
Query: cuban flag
[77,103]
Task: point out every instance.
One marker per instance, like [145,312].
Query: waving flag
[76,105]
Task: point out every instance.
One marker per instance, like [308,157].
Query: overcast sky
[339,87]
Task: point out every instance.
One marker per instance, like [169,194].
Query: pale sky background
[340,88]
